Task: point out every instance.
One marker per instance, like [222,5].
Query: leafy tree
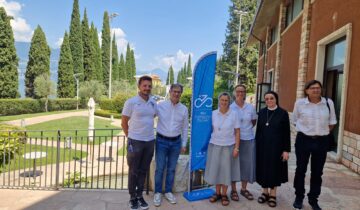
[44,88]
[76,43]
[122,86]
[66,82]
[121,68]
[105,49]
[8,59]
[248,55]
[89,50]
[115,60]
[39,61]
[170,74]
[91,88]
[97,56]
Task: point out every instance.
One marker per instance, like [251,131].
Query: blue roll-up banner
[202,100]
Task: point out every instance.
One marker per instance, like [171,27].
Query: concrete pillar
[304,48]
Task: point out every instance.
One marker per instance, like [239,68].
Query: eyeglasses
[315,88]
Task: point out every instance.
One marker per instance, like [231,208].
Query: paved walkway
[45,118]
[340,191]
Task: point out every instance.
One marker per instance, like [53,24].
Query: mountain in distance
[22,51]
[160,72]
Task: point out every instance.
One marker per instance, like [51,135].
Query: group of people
[235,153]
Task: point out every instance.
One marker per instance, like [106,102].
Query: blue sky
[162,32]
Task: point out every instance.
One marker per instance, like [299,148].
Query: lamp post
[240,13]
[111,16]
[76,76]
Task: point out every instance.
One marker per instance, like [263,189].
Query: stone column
[304,48]
[281,26]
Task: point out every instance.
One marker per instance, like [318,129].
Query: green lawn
[65,156]
[74,127]
[23,116]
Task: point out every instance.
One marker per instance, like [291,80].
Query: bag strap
[327,103]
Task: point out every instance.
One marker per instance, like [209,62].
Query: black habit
[272,139]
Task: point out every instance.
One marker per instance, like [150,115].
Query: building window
[293,9]
[273,35]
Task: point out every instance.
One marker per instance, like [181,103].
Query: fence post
[57,160]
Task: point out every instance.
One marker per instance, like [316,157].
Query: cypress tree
[128,63]
[66,82]
[121,67]
[178,78]
[89,50]
[75,37]
[171,75]
[97,56]
[39,60]
[133,68]
[115,60]
[189,70]
[8,59]
[105,49]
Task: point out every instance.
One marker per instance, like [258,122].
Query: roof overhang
[263,17]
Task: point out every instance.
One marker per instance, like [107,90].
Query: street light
[111,16]
[76,76]
[240,13]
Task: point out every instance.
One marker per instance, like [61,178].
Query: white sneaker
[157,199]
[170,197]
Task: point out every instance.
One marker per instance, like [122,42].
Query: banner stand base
[198,194]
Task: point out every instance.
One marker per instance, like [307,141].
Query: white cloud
[22,30]
[177,60]
[12,8]
[59,42]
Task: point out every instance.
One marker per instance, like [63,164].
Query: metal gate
[53,159]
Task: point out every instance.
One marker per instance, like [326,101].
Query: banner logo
[203,100]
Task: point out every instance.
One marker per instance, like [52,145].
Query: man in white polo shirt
[137,122]
[171,139]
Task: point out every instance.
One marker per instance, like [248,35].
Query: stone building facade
[301,40]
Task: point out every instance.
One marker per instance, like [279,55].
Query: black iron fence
[53,159]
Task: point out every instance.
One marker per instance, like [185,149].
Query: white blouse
[314,119]
[224,125]
[246,115]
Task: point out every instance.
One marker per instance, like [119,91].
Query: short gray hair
[176,85]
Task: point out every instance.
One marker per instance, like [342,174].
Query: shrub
[11,143]
[106,104]
[107,113]
[27,106]
[20,106]
[119,101]
[115,104]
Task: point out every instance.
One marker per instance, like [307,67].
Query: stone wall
[351,151]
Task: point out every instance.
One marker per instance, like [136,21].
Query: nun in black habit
[272,148]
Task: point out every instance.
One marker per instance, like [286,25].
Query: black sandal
[215,198]
[225,200]
[272,201]
[234,195]
[263,198]
[247,194]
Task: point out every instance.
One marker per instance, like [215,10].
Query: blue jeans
[166,155]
